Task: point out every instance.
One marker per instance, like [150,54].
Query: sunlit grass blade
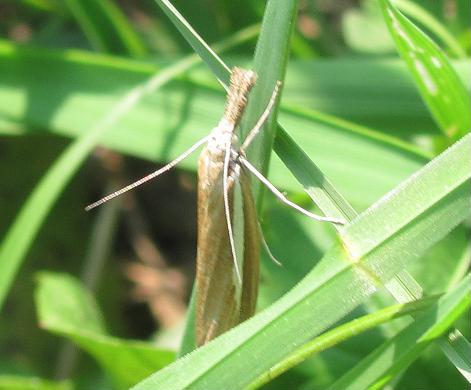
[342,333]
[16,382]
[217,66]
[419,13]
[403,287]
[438,83]
[457,348]
[65,308]
[94,90]
[378,368]
[370,255]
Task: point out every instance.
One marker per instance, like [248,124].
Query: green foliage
[66,309]
[388,137]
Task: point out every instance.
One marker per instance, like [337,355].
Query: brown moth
[226,274]
[227,284]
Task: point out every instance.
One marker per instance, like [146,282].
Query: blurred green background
[63,66]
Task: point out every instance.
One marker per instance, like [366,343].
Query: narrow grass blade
[457,348]
[106,27]
[217,66]
[378,368]
[342,333]
[423,16]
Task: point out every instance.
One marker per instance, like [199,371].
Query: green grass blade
[106,27]
[342,333]
[272,48]
[420,14]
[51,99]
[67,309]
[330,201]
[378,368]
[217,66]
[438,83]
[14,382]
[457,348]
[353,269]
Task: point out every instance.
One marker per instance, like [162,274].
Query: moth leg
[225,186]
[283,198]
[151,176]
[263,118]
[266,247]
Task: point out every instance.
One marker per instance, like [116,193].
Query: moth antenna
[267,248]
[284,199]
[263,118]
[151,176]
[225,191]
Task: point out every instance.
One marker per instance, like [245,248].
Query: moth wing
[217,307]
[251,267]
[222,302]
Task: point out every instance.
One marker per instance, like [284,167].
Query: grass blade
[67,309]
[438,83]
[378,368]
[106,27]
[342,333]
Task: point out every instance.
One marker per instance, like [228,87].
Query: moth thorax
[241,83]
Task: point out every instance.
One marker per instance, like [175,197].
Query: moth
[229,233]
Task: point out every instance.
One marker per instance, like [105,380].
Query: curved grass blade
[342,333]
[380,367]
[442,90]
[422,15]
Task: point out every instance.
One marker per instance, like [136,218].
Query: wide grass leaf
[167,122]
[15,382]
[67,309]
